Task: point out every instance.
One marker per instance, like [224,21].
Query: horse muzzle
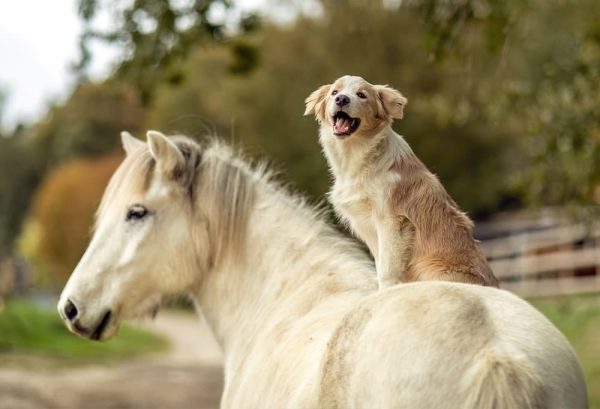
[96,331]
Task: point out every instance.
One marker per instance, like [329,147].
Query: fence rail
[553,287]
[526,266]
[554,261]
[530,241]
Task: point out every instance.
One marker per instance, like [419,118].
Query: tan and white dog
[390,199]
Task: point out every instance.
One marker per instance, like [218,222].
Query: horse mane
[228,190]
[132,177]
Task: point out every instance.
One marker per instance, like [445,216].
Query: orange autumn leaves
[58,229]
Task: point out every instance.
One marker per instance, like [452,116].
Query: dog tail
[499,381]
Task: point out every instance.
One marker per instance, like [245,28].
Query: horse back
[437,344]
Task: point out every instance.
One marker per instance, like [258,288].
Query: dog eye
[361,95]
[334,92]
[136,212]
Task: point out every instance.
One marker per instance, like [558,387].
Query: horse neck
[291,256]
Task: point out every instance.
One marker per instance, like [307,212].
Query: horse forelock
[132,178]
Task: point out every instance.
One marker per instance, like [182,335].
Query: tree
[154,35]
[555,94]
[88,124]
[546,88]
[262,110]
[18,178]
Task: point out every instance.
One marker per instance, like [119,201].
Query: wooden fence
[551,261]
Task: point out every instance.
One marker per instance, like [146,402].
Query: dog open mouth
[344,125]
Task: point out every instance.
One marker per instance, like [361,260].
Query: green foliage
[154,35]
[578,317]
[245,58]
[3,99]
[88,124]
[557,96]
[28,329]
[449,22]
[18,178]
[545,89]
[262,109]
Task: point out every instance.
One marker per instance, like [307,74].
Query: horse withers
[294,304]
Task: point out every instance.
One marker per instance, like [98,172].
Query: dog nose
[341,100]
[70,311]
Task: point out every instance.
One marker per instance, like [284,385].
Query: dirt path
[189,376]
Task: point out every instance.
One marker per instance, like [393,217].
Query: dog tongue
[342,125]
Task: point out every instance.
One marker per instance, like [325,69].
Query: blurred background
[504,106]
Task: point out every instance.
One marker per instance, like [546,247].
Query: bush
[58,230]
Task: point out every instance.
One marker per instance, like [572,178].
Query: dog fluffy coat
[389,198]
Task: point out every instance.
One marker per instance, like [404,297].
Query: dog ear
[392,101]
[315,103]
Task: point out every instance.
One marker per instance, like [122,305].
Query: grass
[578,317]
[29,330]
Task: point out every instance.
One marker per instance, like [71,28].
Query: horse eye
[136,212]
[361,95]
[334,92]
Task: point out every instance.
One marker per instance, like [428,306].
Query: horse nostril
[70,310]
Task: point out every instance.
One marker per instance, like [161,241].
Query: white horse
[294,304]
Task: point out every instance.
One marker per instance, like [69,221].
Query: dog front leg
[395,242]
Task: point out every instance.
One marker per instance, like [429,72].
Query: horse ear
[392,101]
[315,103]
[167,155]
[130,144]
